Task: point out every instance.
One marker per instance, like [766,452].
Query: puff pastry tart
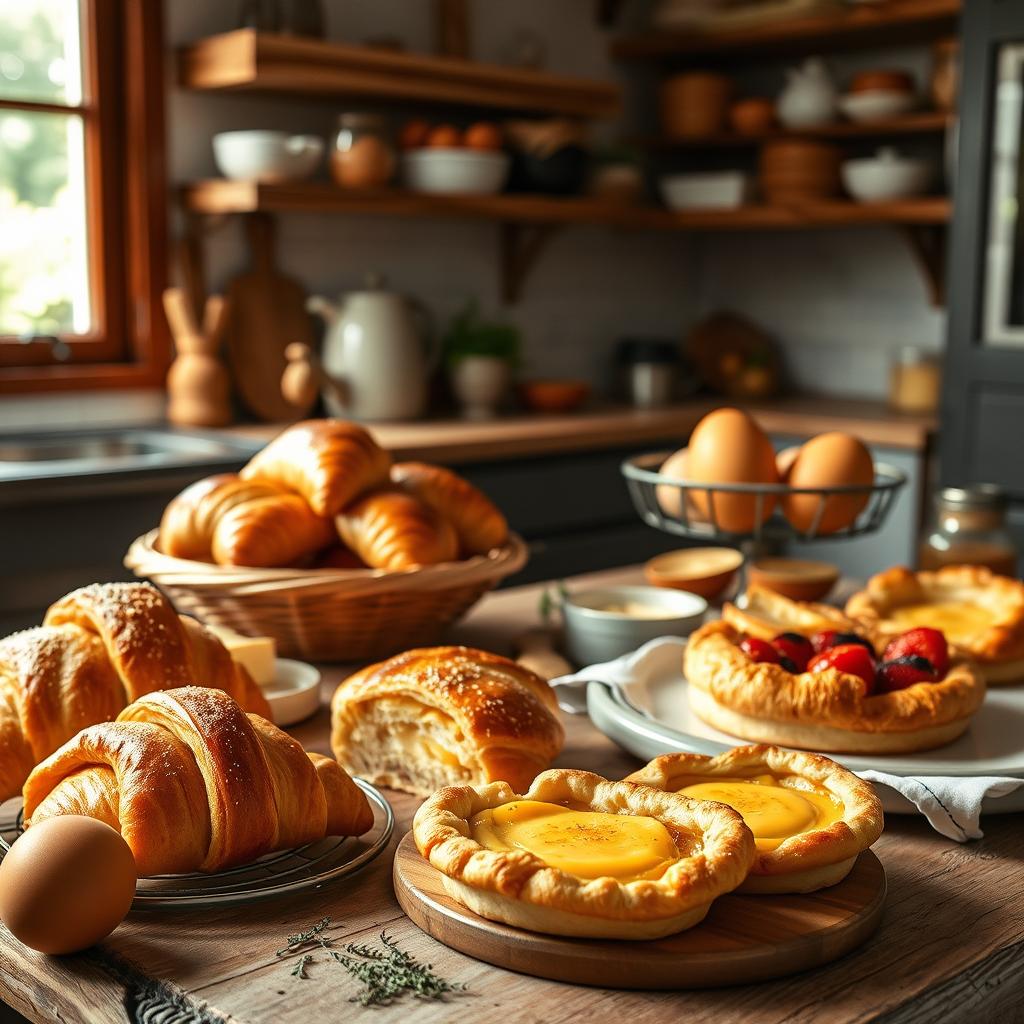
[811,817]
[767,614]
[579,855]
[981,614]
[828,709]
[436,716]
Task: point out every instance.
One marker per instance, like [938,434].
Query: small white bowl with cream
[607,622]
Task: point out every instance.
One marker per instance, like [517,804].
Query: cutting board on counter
[267,313]
[743,939]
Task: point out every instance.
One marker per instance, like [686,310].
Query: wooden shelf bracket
[928,245]
[520,247]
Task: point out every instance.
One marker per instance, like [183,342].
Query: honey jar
[968,527]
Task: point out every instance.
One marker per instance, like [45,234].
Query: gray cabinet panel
[997,440]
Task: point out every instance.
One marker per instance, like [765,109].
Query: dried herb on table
[299,970]
[311,936]
[389,973]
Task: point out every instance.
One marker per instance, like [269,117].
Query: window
[81,193]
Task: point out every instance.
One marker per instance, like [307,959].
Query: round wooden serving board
[743,939]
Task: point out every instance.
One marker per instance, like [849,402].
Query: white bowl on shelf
[267,156]
[455,171]
[886,176]
[876,105]
[717,190]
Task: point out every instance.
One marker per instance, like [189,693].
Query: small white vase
[810,98]
[480,383]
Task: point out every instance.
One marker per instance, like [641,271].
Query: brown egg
[829,460]
[784,461]
[66,884]
[728,447]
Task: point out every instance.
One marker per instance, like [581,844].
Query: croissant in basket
[195,784]
[100,648]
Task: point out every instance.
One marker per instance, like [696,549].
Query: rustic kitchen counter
[455,441]
[949,948]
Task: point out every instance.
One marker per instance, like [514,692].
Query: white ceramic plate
[655,718]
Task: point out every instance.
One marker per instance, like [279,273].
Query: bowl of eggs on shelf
[441,159]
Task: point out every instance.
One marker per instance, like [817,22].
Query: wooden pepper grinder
[198,385]
[304,378]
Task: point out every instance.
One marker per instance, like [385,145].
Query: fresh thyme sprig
[299,970]
[389,973]
[311,936]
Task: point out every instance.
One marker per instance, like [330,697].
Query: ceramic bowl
[455,171]
[795,578]
[704,571]
[594,634]
[877,105]
[720,190]
[885,177]
[294,694]
[267,156]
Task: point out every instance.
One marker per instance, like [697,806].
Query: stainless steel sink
[61,454]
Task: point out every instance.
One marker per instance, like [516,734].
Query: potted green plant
[480,356]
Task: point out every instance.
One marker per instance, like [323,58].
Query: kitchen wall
[841,302]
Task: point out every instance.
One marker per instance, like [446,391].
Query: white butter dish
[295,692]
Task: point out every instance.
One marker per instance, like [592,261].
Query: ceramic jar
[695,104]
[810,98]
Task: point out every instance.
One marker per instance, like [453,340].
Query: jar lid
[977,496]
[362,119]
[647,350]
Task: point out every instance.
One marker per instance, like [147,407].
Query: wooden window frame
[126,193]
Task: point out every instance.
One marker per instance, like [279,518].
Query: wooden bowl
[795,169]
[754,116]
[704,571]
[695,104]
[883,80]
[796,578]
[554,395]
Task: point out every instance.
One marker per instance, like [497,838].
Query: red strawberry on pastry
[923,642]
[795,648]
[853,659]
[902,672]
[834,638]
[759,650]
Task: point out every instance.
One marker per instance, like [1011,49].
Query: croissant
[270,532]
[477,520]
[329,462]
[445,716]
[391,530]
[190,519]
[101,648]
[195,784]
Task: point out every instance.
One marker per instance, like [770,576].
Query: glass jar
[363,156]
[915,381]
[968,527]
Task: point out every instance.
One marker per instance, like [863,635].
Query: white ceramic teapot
[810,98]
[375,354]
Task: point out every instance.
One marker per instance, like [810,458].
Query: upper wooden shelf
[931,122]
[865,25]
[224,197]
[250,61]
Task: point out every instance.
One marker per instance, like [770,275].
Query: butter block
[255,653]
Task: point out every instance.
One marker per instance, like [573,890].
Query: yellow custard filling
[959,621]
[773,811]
[588,844]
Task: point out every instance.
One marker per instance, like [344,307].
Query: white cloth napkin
[952,804]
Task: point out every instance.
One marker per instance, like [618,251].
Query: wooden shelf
[887,24]
[250,61]
[931,122]
[220,196]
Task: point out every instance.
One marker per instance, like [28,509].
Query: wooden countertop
[455,441]
[949,947]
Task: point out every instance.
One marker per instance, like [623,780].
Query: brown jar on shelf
[968,527]
[363,156]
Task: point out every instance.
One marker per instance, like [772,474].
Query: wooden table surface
[950,948]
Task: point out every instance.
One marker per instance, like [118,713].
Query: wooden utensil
[267,314]
[743,938]
[198,386]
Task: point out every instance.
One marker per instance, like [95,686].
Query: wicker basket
[328,614]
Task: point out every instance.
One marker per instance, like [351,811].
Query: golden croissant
[99,649]
[195,784]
